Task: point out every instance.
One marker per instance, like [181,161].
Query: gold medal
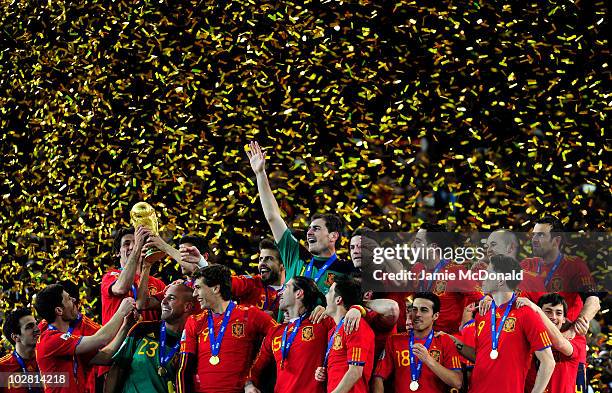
[161,371]
[214,360]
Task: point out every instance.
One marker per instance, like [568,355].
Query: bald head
[502,241]
[177,303]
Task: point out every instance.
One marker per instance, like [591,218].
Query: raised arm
[155,241]
[559,342]
[108,331]
[126,278]
[105,355]
[387,309]
[270,207]
[143,300]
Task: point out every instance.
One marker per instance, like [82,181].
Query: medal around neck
[143,214]
[161,371]
[214,360]
[414,386]
[494,354]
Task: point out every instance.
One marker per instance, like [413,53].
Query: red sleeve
[378,322]
[242,285]
[59,344]
[384,367]
[582,278]
[578,345]
[264,357]
[262,321]
[358,344]
[189,342]
[329,323]
[535,330]
[107,282]
[450,356]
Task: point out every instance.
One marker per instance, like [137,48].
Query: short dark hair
[11,323]
[268,244]
[505,264]
[119,233]
[333,223]
[216,275]
[556,227]
[429,296]
[198,242]
[439,234]
[47,300]
[364,231]
[312,295]
[70,287]
[350,291]
[554,299]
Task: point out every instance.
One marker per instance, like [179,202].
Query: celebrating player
[22,332]
[217,345]
[406,353]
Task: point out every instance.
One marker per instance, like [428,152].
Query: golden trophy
[143,214]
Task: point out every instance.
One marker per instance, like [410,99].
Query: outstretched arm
[126,277]
[270,207]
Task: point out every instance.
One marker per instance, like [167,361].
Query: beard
[272,278]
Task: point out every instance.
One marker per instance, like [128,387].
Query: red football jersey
[563,379]
[110,302]
[85,327]
[401,298]
[251,291]
[305,354]
[395,360]
[55,352]
[246,325]
[571,277]
[382,330]
[356,349]
[523,333]
[454,296]
[466,335]
[9,364]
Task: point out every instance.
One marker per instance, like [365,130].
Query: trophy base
[153,256]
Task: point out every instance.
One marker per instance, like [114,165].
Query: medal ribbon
[164,358]
[417,365]
[331,342]
[287,342]
[496,331]
[438,267]
[555,266]
[308,272]
[22,364]
[215,342]
[73,324]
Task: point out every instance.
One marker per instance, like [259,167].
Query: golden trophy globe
[143,214]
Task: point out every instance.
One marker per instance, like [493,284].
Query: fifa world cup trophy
[143,214]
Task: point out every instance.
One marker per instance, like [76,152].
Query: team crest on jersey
[238,329]
[435,354]
[330,279]
[337,343]
[556,285]
[509,325]
[307,333]
[440,287]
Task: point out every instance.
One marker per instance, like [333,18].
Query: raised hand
[257,158]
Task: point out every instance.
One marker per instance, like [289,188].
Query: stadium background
[389,113]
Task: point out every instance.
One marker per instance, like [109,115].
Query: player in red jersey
[59,350]
[350,357]
[435,363]
[298,346]
[21,331]
[505,242]
[506,336]
[117,284]
[570,276]
[217,345]
[567,353]
[454,295]
[262,290]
